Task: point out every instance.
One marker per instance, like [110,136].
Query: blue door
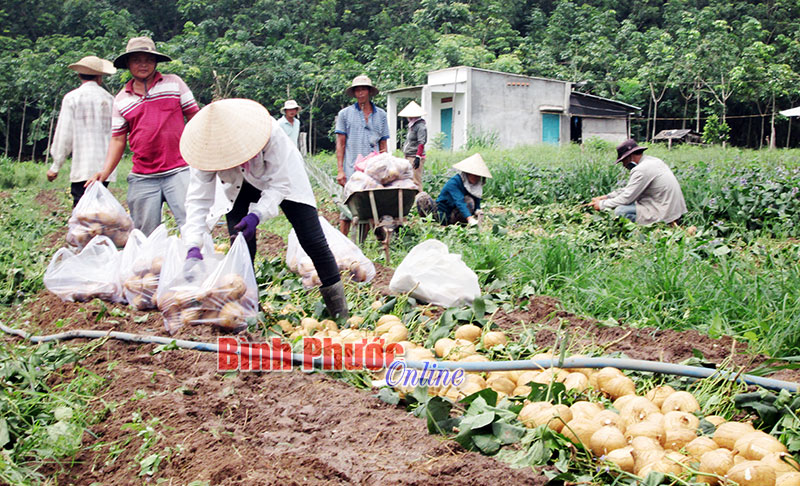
[551,128]
[447,127]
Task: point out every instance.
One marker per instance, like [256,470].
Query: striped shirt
[84,130]
[363,136]
[154,122]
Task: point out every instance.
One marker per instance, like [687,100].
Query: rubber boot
[335,302]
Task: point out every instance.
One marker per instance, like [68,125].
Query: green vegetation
[683,61]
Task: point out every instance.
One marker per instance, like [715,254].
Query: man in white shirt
[84,126]
[245,167]
[652,194]
[289,121]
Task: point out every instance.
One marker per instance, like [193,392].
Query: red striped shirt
[154,122]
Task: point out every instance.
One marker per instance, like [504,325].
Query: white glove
[472,221]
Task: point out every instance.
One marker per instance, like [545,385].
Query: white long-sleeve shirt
[84,130]
[655,191]
[278,171]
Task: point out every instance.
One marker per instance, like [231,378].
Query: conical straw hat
[474,164]
[225,134]
[412,110]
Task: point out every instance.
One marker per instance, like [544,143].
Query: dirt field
[296,428]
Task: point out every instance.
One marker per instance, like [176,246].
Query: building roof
[584,104]
[676,134]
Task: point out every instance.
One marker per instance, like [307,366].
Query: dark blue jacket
[452,196]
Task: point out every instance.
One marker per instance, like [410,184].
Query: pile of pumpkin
[641,434]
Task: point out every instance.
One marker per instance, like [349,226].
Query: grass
[736,276]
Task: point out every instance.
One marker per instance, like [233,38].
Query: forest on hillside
[681,61]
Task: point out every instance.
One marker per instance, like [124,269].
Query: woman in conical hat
[460,198]
[259,169]
[416,138]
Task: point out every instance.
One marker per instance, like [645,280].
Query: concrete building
[511,109]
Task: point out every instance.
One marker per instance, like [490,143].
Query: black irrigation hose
[626,364]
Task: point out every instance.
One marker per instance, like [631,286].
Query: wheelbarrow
[380,211]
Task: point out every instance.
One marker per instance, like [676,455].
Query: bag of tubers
[360,181]
[434,275]
[222,293]
[98,213]
[91,273]
[140,267]
[386,168]
[349,257]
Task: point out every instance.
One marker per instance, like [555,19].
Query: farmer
[361,128]
[151,108]
[289,121]
[460,199]
[84,126]
[652,193]
[235,144]
[417,136]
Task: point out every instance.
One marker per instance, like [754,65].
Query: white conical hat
[412,110]
[225,134]
[474,164]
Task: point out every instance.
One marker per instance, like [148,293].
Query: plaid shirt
[84,130]
[363,137]
[154,122]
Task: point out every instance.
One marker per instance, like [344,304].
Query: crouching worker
[652,194]
[459,202]
[235,144]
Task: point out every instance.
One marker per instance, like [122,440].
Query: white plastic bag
[91,273]
[349,257]
[360,181]
[222,293]
[435,276]
[98,213]
[140,266]
[385,168]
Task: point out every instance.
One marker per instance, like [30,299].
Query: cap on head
[225,134]
[475,165]
[628,147]
[361,80]
[139,44]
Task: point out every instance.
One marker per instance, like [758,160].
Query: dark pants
[305,221]
[77,190]
[426,205]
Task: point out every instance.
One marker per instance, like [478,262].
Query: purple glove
[247,226]
[194,253]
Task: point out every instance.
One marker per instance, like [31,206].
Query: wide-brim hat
[139,44]
[412,110]
[93,65]
[290,105]
[475,165]
[627,148]
[225,134]
[362,80]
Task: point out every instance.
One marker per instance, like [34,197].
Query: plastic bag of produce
[140,267]
[360,181]
[91,273]
[385,168]
[222,293]
[402,184]
[349,257]
[434,275]
[98,213]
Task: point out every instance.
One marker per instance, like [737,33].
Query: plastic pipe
[539,364]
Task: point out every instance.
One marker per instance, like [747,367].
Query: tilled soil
[292,427]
